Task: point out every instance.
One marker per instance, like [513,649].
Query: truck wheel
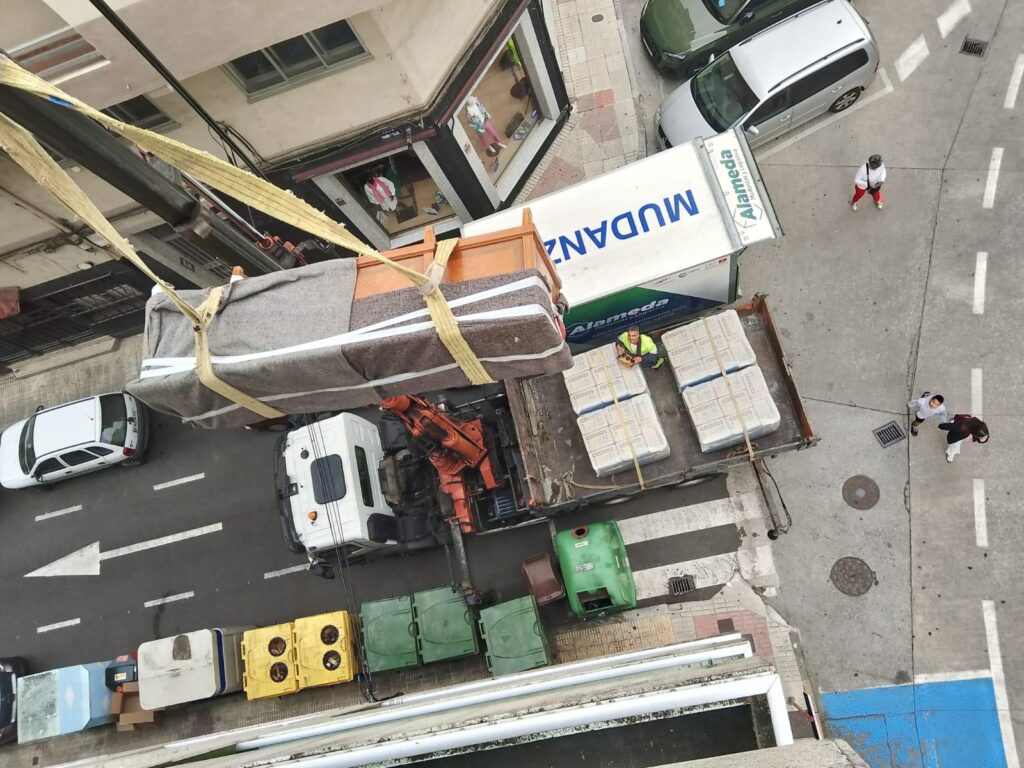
[291,543]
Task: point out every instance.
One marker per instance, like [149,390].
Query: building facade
[388,114]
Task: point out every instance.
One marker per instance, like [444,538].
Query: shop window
[397,192]
[500,112]
[296,58]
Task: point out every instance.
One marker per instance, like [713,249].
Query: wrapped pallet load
[345,334]
[691,348]
[720,411]
[609,446]
[588,380]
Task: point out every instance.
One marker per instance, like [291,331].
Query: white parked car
[815,61]
[73,439]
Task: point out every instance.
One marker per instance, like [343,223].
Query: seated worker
[638,348]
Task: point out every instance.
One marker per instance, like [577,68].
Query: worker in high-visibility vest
[638,348]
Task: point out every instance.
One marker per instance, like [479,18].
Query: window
[99,450]
[114,419]
[26,447]
[363,470]
[774,106]
[48,466]
[721,94]
[142,113]
[296,58]
[828,76]
[58,56]
[328,479]
[74,458]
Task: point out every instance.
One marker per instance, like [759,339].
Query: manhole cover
[860,492]
[597,17]
[973,47]
[852,576]
[889,434]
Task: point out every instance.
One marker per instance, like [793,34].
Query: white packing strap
[728,386]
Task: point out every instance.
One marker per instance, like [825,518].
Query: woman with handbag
[870,178]
[963,426]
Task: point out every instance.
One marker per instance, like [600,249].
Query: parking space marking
[977,407]
[953,16]
[169,599]
[818,125]
[980,273]
[286,571]
[1012,89]
[993,177]
[947,677]
[59,512]
[58,625]
[980,524]
[995,660]
[179,481]
[911,58]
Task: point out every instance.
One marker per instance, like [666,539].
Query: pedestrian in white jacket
[926,406]
[869,178]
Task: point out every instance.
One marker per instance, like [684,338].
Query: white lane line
[1011,90]
[819,124]
[980,524]
[993,177]
[980,273]
[977,406]
[59,512]
[58,625]
[995,660]
[169,599]
[286,571]
[911,58]
[946,677]
[952,16]
[179,481]
[174,537]
[672,522]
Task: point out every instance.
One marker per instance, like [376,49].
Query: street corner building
[389,115]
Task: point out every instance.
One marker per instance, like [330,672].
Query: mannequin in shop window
[380,191]
[480,121]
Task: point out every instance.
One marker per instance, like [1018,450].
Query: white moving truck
[654,242]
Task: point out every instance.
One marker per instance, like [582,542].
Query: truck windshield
[26,448]
[114,419]
[722,95]
[328,478]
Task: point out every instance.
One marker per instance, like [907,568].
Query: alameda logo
[745,209]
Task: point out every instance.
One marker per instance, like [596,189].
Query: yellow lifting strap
[247,188]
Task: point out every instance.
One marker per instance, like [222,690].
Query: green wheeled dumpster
[595,569]
[445,628]
[514,636]
[389,634]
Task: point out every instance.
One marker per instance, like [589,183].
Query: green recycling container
[514,637]
[444,625]
[389,634]
[595,569]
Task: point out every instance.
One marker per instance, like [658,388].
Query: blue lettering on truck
[624,226]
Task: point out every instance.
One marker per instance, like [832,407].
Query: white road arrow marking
[86,561]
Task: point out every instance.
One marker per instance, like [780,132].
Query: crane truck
[420,472]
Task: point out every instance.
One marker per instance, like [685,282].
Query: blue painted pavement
[929,725]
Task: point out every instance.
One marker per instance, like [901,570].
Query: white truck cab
[329,490]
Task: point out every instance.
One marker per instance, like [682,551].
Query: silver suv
[819,60]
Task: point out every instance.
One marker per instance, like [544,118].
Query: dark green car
[681,35]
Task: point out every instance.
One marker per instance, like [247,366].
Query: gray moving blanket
[297,341]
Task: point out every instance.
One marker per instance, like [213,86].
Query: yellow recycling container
[325,649]
[269,655]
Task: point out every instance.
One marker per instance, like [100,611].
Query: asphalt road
[223,569]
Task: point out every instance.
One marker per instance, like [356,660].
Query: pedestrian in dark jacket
[963,426]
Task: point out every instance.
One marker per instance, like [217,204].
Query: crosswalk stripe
[672,522]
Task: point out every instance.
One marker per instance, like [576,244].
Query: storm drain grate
[889,434]
[680,585]
[973,47]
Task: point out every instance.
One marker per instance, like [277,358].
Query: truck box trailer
[363,484]
[653,242]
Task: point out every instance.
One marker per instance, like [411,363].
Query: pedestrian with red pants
[870,178]
[963,426]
